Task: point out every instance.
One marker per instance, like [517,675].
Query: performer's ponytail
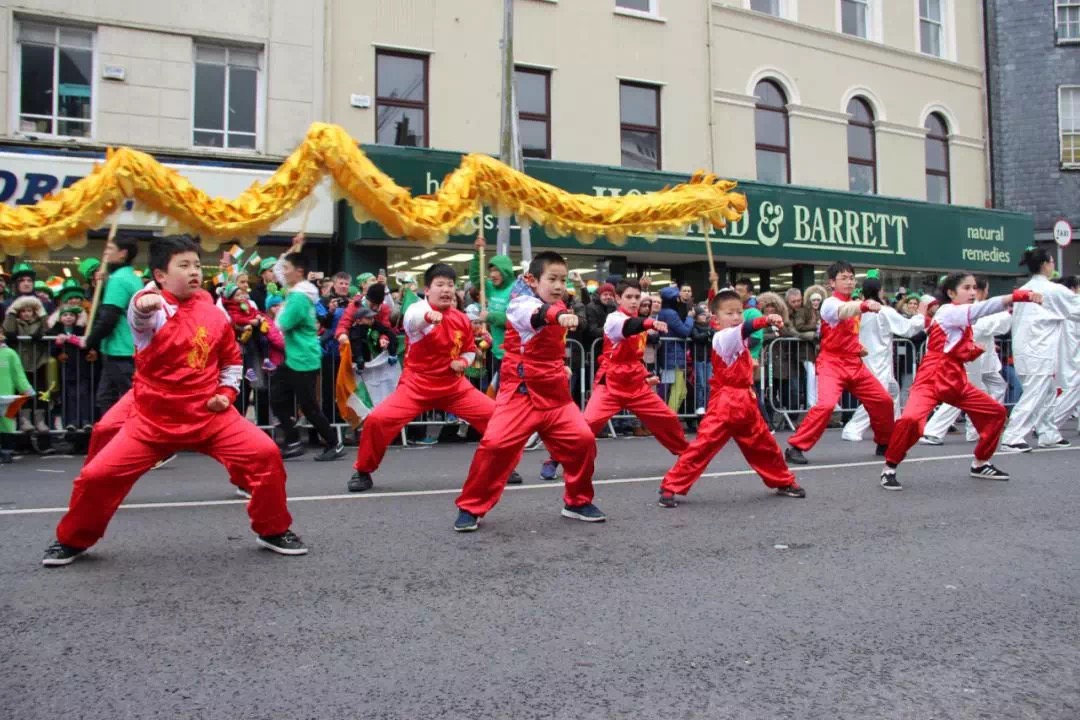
[1034,258]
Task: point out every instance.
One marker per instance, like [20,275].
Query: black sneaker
[586,513]
[880,452]
[667,500]
[163,462]
[515,479]
[291,450]
[6,457]
[889,481]
[792,490]
[466,522]
[331,453]
[794,455]
[287,543]
[359,482]
[59,554]
[1062,443]
[986,471]
[1020,447]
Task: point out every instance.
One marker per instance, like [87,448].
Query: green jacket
[758,336]
[498,298]
[12,381]
[298,325]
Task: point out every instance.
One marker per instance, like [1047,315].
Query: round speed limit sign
[1062,233]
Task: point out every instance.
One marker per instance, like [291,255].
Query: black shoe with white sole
[889,481]
[466,522]
[287,543]
[795,455]
[586,513]
[515,479]
[667,500]
[59,554]
[792,490]
[359,482]
[291,450]
[1020,447]
[986,471]
[331,453]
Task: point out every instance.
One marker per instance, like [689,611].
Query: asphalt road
[956,598]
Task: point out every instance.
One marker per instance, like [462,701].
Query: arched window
[861,148]
[773,141]
[937,159]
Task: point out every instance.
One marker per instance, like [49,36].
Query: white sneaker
[241,492]
[700,411]
[1062,443]
[534,442]
[930,440]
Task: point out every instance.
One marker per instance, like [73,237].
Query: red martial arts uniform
[732,413]
[942,378]
[534,396]
[427,382]
[621,383]
[840,367]
[185,354]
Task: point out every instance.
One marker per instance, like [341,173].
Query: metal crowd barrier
[785,380]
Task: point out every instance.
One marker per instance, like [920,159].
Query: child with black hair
[732,412]
[840,367]
[439,346]
[1040,354]
[534,396]
[368,337]
[188,377]
[943,378]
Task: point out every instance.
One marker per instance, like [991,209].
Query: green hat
[88,267]
[267,264]
[229,291]
[363,278]
[353,290]
[874,273]
[71,310]
[40,286]
[71,288]
[22,269]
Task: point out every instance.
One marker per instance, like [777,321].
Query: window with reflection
[862,150]
[772,140]
[937,159]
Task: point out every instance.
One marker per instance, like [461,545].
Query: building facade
[1034,74]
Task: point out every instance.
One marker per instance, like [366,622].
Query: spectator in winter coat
[77,402]
[596,312]
[672,355]
[701,351]
[497,284]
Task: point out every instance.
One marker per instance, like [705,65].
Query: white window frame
[15,113]
[260,99]
[1058,4]
[1061,125]
[874,25]
[789,9]
[652,13]
[948,30]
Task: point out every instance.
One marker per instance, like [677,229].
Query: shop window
[55,71]
[226,97]
[533,88]
[937,159]
[401,99]
[639,125]
[862,151]
[771,134]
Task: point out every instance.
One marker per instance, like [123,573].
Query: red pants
[647,405]
[405,404]
[564,432]
[730,415]
[106,480]
[110,423]
[986,414]
[834,376]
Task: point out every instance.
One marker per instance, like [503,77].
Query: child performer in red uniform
[732,412]
[622,382]
[534,396]
[187,371]
[840,367]
[439,348]
[942,377]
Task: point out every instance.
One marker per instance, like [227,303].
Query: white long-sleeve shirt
[1040,344]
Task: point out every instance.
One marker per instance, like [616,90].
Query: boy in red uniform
[439,348]
[622,382]
[840,367]
[942,378]
[534,396]
[186,379]
[732,412]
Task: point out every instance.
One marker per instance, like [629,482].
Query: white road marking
[50,471]
[509,488]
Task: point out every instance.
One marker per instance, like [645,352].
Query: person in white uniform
[876,331]
[984,372]
[1039,344]
[1068,377]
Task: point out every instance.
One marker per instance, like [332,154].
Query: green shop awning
[783,222]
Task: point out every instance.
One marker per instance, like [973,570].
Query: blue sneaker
[549,470]
[466,522]
[426,441]
[586,513]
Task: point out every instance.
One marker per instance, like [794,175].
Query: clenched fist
[458,365]
[433,317]
[873,306]
[148,302]
[568,321]
[218,403]
[659,326]
[775,320]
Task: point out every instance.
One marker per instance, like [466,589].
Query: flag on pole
[357,394]
[254,259]
[236,251]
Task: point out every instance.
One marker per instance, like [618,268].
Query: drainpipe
[709,80]
[988,122]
